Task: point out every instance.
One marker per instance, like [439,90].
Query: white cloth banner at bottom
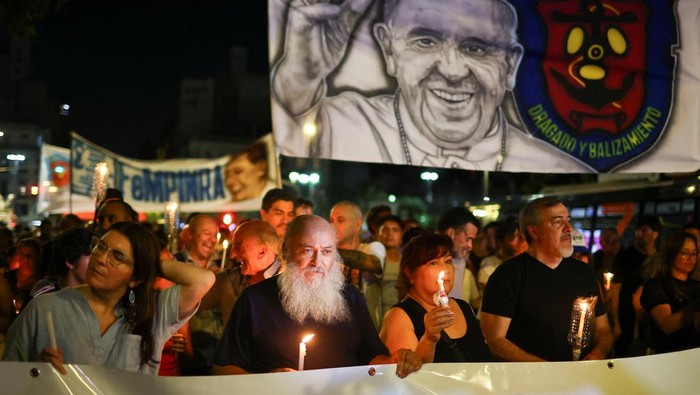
[675,373]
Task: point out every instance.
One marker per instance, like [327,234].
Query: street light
[16,157]
[305,179]
[429,177]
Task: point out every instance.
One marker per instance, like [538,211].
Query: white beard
[320,299]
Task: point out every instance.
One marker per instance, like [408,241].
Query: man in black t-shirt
[270,318]
[528,300]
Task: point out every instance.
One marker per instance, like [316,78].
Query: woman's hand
[53,356]
[437,320]
[178,343]
[407,362]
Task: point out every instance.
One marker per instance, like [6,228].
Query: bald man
[255,245]
[346,219]
[199,246]
[271,317]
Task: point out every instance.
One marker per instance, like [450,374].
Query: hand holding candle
[581,331]
[302,351]
[440,297]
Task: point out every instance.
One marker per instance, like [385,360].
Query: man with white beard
[271,318]
[528,300]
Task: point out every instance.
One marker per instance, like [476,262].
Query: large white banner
[230,183]
[528,85]
[675,373]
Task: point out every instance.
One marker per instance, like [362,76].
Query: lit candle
[99,182]
[223,254]
[172,221]
[440,297]
[302,351]
[171,216]
[608,280]
[582,321]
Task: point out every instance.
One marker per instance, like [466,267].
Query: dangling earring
[132,296]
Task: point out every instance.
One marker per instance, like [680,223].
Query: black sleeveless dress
[472,345]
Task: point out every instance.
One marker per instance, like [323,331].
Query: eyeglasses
[115,258]
[687,255]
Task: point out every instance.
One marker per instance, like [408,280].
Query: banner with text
[230,183]
[674,373]
[547,86]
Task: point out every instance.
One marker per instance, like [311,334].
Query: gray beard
[320,300]
[567,251]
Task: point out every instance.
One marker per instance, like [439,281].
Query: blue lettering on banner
[191,186]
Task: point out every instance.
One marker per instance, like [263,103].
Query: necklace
[404,140]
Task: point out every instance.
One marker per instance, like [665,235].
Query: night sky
[119,64]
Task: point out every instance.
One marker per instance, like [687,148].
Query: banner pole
[70,174]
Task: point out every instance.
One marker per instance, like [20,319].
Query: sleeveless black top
[472,345]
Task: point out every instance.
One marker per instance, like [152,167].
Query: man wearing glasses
[528,300]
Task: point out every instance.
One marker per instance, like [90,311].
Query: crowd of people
[372,288]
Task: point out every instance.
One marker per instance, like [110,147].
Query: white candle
[302,351]
[582,321]
[440,282]
[52,331]
[223,254]
[608,280]
[99,182]
[171,215]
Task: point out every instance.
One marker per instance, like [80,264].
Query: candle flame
[225,243]
[441,274]
[307,338]
[583,306]
[608,275]
[102,168]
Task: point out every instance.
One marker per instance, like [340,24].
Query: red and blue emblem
[597,77]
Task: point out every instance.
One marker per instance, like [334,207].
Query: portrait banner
[548,86]
[230,183]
